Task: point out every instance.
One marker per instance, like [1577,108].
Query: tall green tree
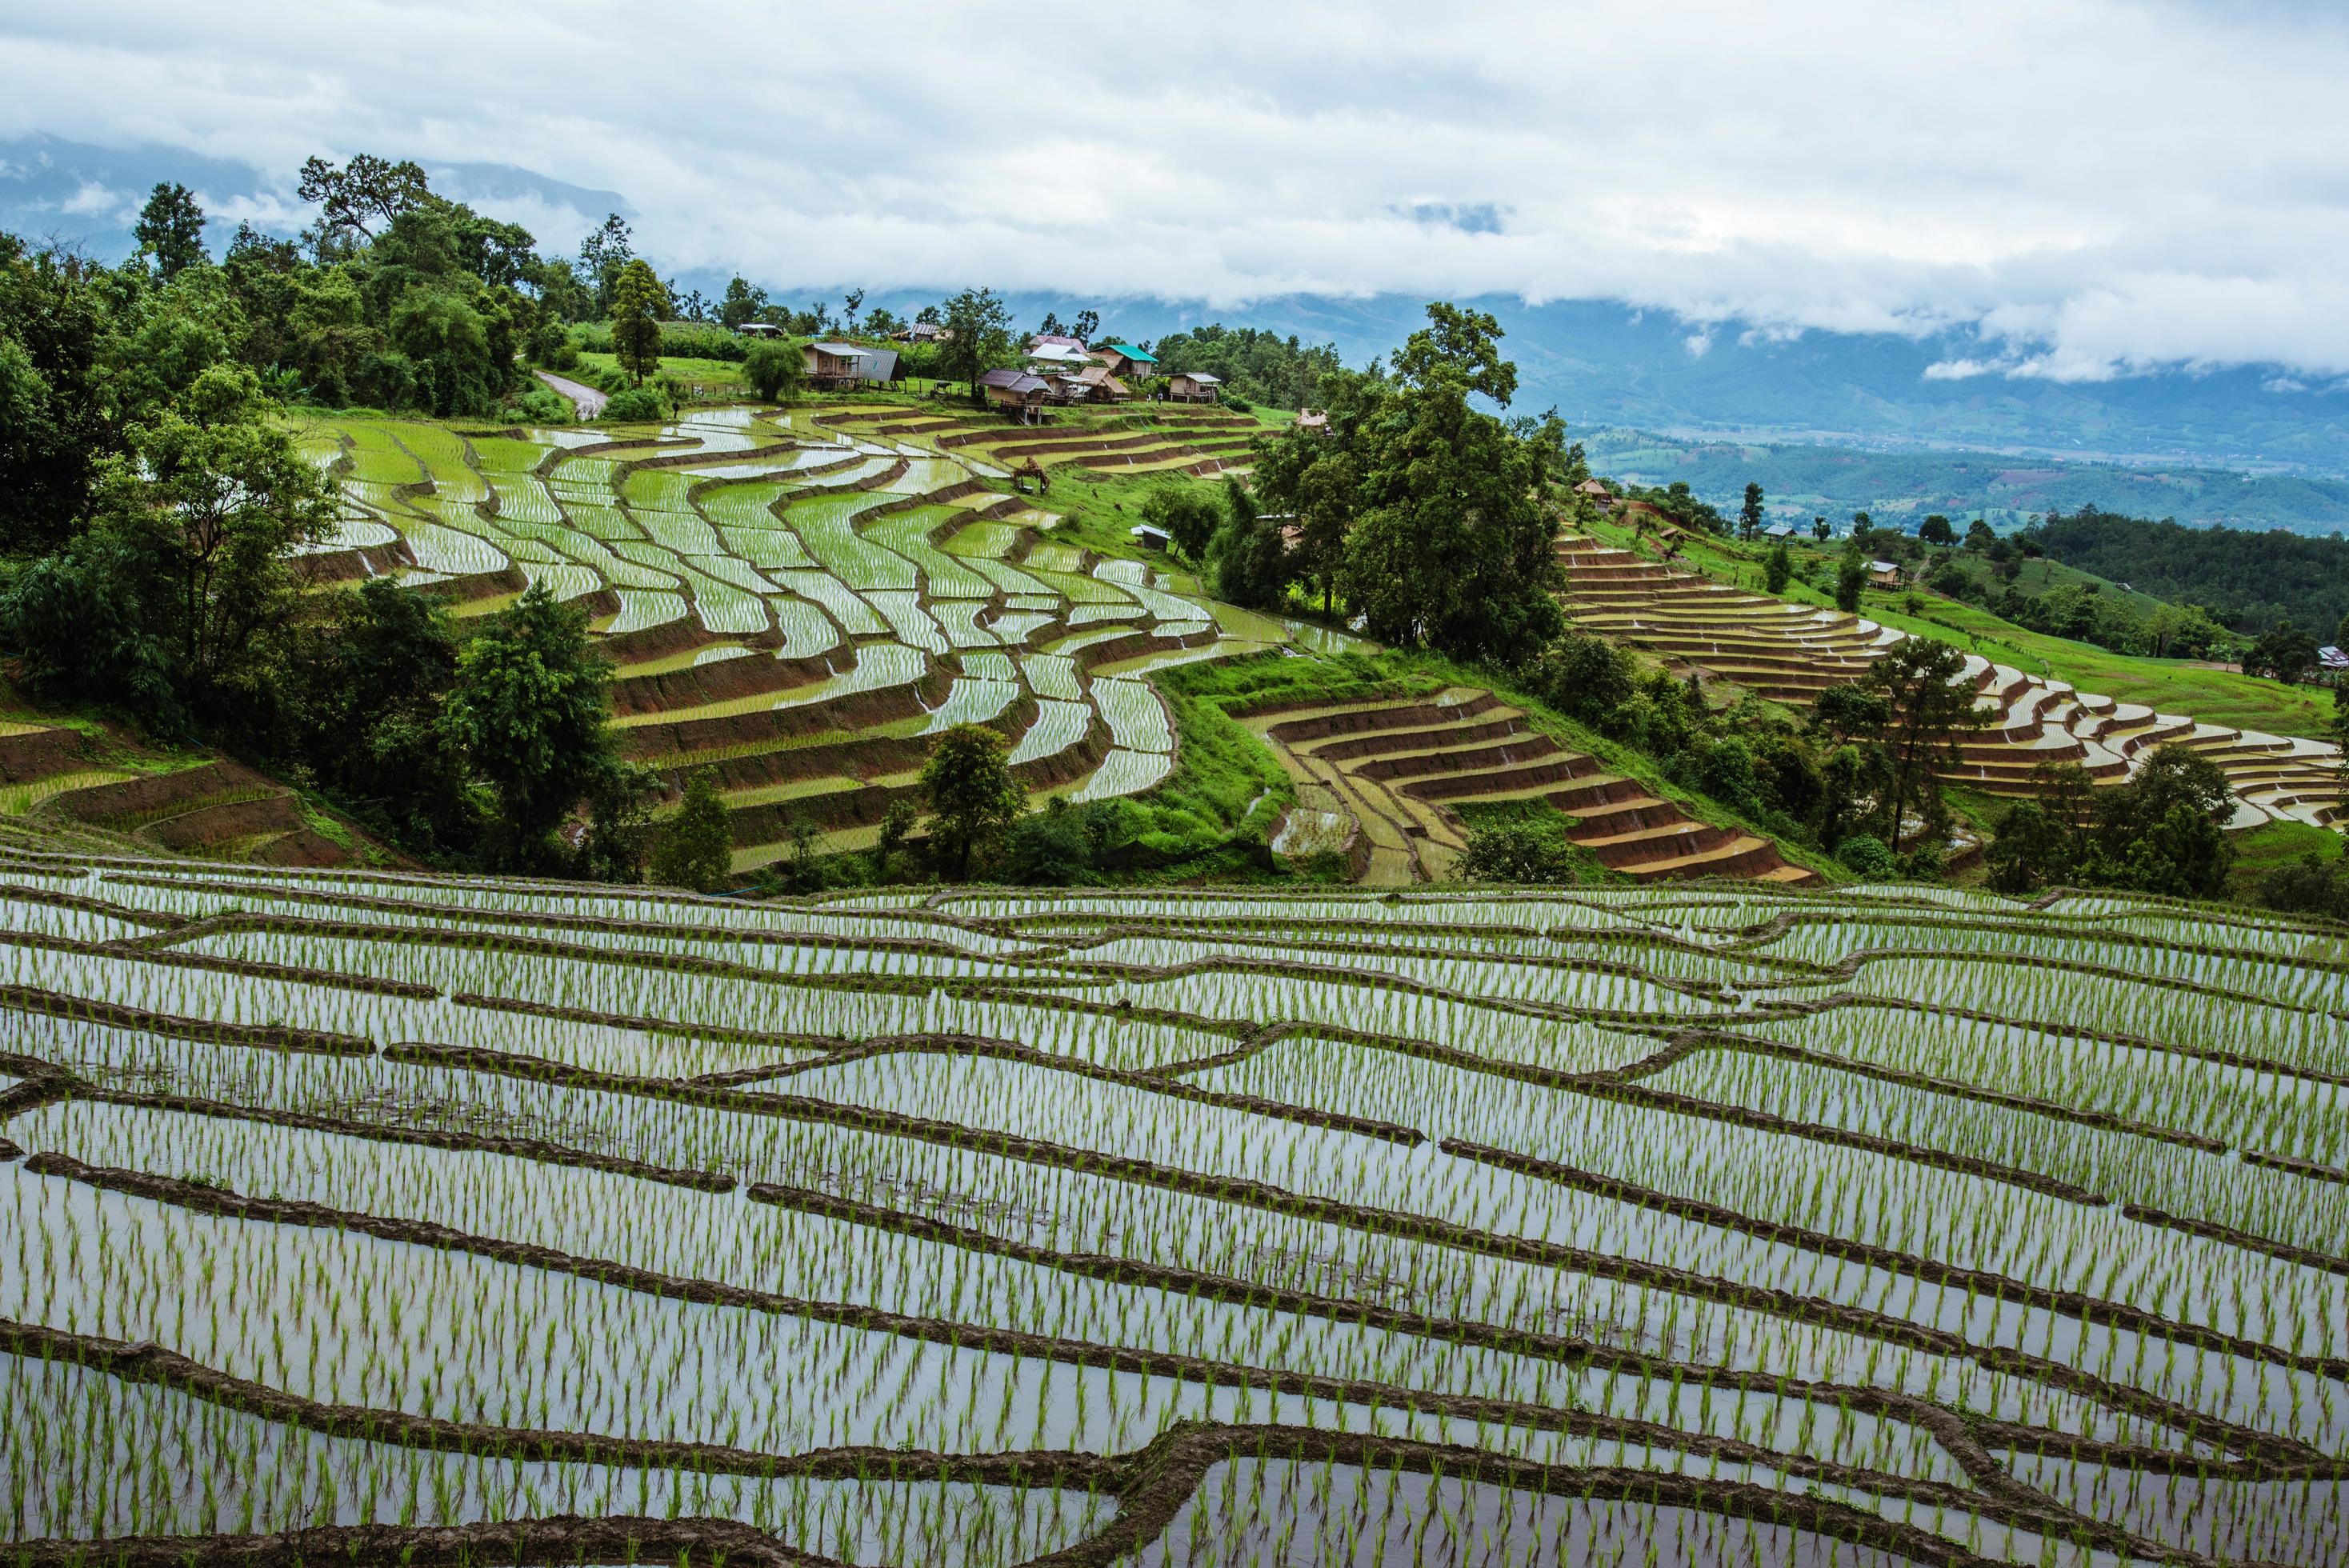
[1750,514]
[1777,568]
[1452,543]
[359,200]
[743,302]
[973,796]
[602,256]
[170,227]
[978,327]
[638,305]
[1932,710]
[695,845]
[528,710]
[1851,581]
[156,606]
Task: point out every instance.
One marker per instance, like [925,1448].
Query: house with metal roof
[1126,362]
[1779,531]
[1015,391]
[1051,355]
[1194,387]
[832,365]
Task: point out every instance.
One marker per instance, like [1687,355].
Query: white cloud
[91,199]
[2096,187]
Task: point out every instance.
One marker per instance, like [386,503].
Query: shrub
[1867,854]
[537,405]
[1528,852]
[696,849]
[775,370]
[639,405]
[2310,887]
[1050,848]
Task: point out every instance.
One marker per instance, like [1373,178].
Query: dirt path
[586,399]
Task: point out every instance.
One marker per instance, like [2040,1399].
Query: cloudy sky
[2098,186]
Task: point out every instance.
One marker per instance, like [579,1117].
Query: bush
[1525,853]
[2311,887]
[1868,855]
[639,405]
[775,370]
[696,846]
[1048,848]
[537,405]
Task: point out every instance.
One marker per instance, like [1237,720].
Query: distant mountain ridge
[1601,362]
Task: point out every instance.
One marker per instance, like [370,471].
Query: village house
[1193,387]
[1596,492]
[1102,387]
[1126,362]
[834,365]
[1884,573]
[1779,531]
[1051,354]
[1016,392]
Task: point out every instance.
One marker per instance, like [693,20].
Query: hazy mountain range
[2178,442]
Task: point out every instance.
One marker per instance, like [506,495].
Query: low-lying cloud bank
[2083,190]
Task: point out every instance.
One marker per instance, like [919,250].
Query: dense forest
[1260,366]
[2248,581]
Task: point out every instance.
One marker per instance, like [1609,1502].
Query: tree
[1777,568]
[1819,530]
[170,229]
[1750,515]
[742,303]
[638,302]
[1188,514]
[2030,851]
[850,303]
[696,846]
[1248,559]
[775,370]
[1933,709]
[601,255]
[360,198]
[973,796]
[2309,886]
[1088,321]
[1980,535]
[978,327]
[1452,541]
[1851,579]
[1050,848]
[897,823]
[1936,530]
[156,606]
[1523,852]
[527,709]
[1582,676]
[2283,653]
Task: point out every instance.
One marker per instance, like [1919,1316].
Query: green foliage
[170,229]
[638,406]
[1048,848]
[979,324]
[2309,885]
[638,304]
[1187,513]
[2161,832]
[1583,676]
[1253,364]
[776,370]
[1526,851]
[897,823]
[2249,579]
[1930,710]
[155,608]
[527,709]
[1851,581]
[1248,563]
[1750,513]
[1777,568]
[973,797]
[1868,855]
[1451,545]
[2283,653]
[695,849]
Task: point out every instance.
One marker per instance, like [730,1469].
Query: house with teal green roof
[1126,362]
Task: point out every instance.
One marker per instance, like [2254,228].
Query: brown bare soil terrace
[448,1220]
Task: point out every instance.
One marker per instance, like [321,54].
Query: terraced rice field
[861,573]
[1377,782]
[434,1219]
[1792,652]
